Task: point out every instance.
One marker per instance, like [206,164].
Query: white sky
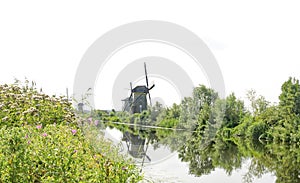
[256,43]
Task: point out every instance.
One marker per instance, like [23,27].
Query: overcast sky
[256,43]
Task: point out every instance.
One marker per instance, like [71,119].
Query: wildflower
[39,126]
[74,131]
[96,122]
[26,136]
[45,134]
[75,151]
[90,120]
[124,168]
[29,141]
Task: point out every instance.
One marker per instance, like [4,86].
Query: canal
[173,156]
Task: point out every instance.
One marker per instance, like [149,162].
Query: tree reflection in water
[282,160]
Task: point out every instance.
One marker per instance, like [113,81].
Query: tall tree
[290,96]
[258,103]
[234,111]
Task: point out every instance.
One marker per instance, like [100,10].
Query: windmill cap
[140,89]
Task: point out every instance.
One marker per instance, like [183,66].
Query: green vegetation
[42,140]
[223,133]
[212,116]
[26,106]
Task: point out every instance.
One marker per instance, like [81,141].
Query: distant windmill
[137,101]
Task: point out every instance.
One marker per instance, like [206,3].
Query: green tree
[258,103]
[170,117]
[290,96]
[203,95]
[234,111]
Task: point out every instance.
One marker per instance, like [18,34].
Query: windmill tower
[137,101]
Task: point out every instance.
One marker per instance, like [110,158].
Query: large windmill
[137,101]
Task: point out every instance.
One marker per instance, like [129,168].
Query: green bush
[56,153]
[21,105]
[41,141]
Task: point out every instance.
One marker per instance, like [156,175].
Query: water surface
[178,156]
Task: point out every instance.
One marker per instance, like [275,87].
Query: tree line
[209,116]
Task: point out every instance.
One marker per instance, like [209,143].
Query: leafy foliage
[22,105]
[290,96]
[55,153]
[42,140]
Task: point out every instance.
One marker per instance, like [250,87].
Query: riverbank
[42,140]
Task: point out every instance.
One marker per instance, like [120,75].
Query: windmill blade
[130,97]
[151,87]
[150,99]
[129,104]
[146,75]
[130,91]
[149,94]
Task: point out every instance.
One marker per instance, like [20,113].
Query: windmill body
[140,99]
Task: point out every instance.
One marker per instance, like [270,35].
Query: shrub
[21,105]
[56,153]
[42,142]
